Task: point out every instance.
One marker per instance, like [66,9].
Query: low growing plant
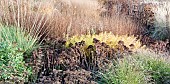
[156,65]
[125,71]
[12,66]
[141,68]
[108,38]
[14,42]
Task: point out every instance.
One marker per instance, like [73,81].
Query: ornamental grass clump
[126,71]
[18,38]
[156,65]
[143,67]
[27,15]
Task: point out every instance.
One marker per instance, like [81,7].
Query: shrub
[81,56]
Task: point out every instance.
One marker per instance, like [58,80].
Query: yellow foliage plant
[108,38]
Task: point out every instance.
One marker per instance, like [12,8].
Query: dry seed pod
[95,40]
[120,42]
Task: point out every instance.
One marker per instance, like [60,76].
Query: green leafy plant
[12,66]
[141,68]
[14,42]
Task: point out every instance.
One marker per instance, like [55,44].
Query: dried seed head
[121,42]
[82,43]
[125,48]
[76,44]
[70,45]
[132,46]
[90,47]
[104,44]
[107,46]
[95,40]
